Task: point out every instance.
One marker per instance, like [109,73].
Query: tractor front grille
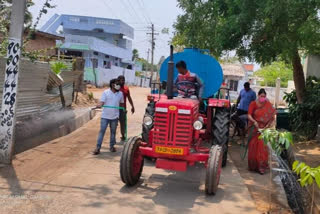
[172,129]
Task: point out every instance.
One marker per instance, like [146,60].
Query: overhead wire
[110,9]
[134,10]
[145,15]
[128,10]
[142,5]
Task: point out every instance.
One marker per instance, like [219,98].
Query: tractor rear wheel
[213,170]
[221,124]
[131,162]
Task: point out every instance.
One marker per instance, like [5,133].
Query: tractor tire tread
[211,184]
[126,163]
[221,127]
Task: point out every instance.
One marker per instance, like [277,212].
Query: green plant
[306,173]
[138,73]
[305,117]
[278,140]
[57,67]
[90,96]
[271,72]
[5,13]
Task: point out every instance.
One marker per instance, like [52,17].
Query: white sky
[136,13]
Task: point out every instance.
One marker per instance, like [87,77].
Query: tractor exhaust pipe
[170,75]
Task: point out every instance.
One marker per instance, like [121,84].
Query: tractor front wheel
[221,124]
[131,162]
[213,170]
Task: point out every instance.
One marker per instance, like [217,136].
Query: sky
[137,13]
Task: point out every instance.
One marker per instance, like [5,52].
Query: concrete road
[62,176]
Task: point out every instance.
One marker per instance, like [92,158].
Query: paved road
[62,176]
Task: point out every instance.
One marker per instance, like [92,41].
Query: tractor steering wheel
[180,87]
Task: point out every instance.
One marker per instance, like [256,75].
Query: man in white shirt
[111,100]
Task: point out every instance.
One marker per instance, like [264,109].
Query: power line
[142,5]
[128,10]
[153,44]
[110,9]
[134,10]
[148,20]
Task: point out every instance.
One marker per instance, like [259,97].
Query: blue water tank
[204,65]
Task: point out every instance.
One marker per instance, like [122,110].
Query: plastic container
[204,65]
[283,118]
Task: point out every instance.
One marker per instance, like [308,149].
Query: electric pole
[10,85]
[147,66]
[152,50]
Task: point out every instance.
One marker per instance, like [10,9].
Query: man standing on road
[126,94]
[247,95]
[112,99]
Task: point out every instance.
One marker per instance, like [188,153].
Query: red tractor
[177,133]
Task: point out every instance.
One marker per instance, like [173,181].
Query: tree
[271,72]
[262,31]
[135,54]
[5,13]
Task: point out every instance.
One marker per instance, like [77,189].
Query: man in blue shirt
[247,95]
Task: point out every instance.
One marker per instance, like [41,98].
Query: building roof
[233,70]
[87,23]
[47,35]
[248,67]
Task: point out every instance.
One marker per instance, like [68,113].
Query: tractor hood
[178,105]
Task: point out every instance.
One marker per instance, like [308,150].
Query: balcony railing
[99,45]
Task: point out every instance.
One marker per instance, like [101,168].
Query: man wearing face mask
[112,99]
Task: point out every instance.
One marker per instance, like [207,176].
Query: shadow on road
[8,173]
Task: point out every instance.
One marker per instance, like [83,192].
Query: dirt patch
[309,152]
[85,100]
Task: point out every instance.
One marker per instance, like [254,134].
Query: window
[233,85]
[95,53]
[83,20]
[104,22]
[74,19]
[107,56]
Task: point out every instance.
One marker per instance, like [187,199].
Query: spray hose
[244,146]
[126,125]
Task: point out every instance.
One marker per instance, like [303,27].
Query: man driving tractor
[188,84]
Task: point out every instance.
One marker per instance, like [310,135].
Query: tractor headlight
[197,125]
[147,120]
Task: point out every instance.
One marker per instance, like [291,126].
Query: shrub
[305,117]
[58,66]
[90,96]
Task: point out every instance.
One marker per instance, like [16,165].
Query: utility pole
[147,66]
[10,86]
[152,50]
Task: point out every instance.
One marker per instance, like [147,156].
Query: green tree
[271,72]
[262,31]
[135,54]
[5,13]
[146,66]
